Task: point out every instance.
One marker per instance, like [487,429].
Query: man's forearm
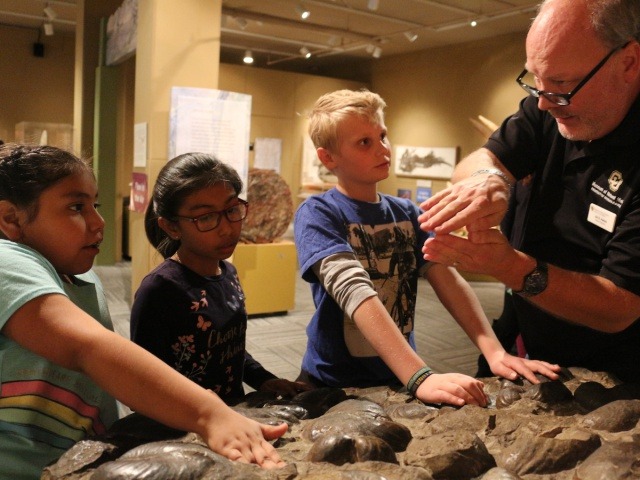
[588,300]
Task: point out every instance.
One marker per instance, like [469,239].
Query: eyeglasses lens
[527,83]
[208,222]
[212,220]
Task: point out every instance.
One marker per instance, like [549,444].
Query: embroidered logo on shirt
[615,180]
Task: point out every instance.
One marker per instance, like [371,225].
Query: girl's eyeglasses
[210,220]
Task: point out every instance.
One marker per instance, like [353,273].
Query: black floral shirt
[197,325]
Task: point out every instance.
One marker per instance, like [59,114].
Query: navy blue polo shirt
[582,213]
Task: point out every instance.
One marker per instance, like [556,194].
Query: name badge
[601,217]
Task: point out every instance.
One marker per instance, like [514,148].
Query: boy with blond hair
[359,249]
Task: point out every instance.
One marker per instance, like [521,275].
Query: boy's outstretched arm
[381,332]
[55,328]
[462,303]
[344,278]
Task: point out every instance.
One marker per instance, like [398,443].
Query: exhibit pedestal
[267,272]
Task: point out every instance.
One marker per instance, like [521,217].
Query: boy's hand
[510,367]
[453,388]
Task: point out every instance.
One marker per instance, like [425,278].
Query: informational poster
[404,193]
[267,153]
[423,191]
[313,171]
[139,193]
[211,121]
[140,145]
[122,32]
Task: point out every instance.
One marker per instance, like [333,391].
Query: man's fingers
[433,201]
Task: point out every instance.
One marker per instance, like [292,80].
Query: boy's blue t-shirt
[386,238]
[44,408]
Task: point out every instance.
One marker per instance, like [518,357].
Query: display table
[267,272]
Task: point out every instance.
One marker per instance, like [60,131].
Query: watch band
[536,281]
[493,171]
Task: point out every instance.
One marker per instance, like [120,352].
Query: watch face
[535,282]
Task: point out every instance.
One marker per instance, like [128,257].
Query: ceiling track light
[305,52]
[241,22]
[473,23]
[303,12]
[373,4]
[377,52]
[411,36]
[48,28]
[248,57]
[50,12]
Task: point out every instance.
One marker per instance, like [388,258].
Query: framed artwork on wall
[425,162]
[313,171]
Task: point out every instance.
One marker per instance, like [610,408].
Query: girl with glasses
[190,310]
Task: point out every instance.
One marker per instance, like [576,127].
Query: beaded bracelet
[494,171]
[417,379]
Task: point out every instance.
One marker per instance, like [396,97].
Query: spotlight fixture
[241,22]
[373,4]
[303,12]
[411,36]
[50,12]
[304,51]
[377,51]
[48,28]
[248,57]
[473,23]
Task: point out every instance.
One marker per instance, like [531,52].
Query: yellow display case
[267,272]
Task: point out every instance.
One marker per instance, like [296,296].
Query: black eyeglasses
[564,99]
[210,220]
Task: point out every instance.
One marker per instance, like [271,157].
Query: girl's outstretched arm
[53,327]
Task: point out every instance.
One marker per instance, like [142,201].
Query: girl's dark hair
[180,177]
[28,170]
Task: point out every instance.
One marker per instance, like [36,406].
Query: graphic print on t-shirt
[387,254]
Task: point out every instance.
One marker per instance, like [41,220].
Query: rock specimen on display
[270,207]
[584,426]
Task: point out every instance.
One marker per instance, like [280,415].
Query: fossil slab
[584,427]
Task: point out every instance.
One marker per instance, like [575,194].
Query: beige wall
[34,89]
[440,90]
[431,95]
[280,102]
[167,57]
